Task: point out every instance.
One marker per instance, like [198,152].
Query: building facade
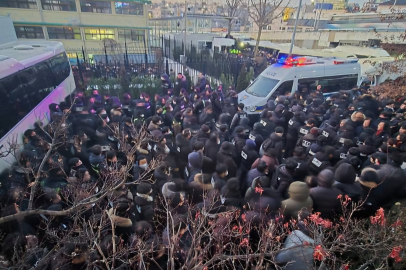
[82,24]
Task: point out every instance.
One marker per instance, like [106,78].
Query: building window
[95,6]
[129,8]
[128,34]
[18,3]
[60,5]
[32,32]
[64,33]
[98,34]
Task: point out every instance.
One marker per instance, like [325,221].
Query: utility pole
[184,47]
[294,30]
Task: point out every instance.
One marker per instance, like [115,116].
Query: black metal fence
[164,56]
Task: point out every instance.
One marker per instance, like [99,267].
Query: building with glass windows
[82,24]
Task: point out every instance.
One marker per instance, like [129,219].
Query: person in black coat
[248,156]
[283,177]
[268,125]
[325,196]
[292,133]
[180,83]
[224,156]
[219,178]
[231,194]
[183,147]
[212,147]
[256,136]
[239,142]
[275,141]
[345,181]
[144,203]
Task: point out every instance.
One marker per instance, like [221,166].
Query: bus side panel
[41,111]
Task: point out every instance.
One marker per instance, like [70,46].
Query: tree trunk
[258,39]
[229,28]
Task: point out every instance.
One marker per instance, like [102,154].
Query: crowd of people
[298,158]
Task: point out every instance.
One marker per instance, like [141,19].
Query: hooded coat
[144,205]
[276,142]
[345,182]
[198,189]
[281,180]
[299,198]
[325,197]
[231,194]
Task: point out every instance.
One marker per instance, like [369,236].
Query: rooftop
[391,2]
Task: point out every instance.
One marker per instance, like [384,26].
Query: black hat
[279,130]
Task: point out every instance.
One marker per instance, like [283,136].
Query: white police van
[289,75]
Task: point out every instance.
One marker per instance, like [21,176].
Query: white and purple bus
[33,74]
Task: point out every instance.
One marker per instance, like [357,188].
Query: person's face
[342,123]
[402,131]
[163,141]
[319,87]
[78,163]
[95,92]
[179,76]
[114,159]
[366,123]
[381,125]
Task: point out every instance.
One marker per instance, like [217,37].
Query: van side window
[336,83]
[309,83]
[283,89]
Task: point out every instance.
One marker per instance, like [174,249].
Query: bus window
[283,89]
[60,68]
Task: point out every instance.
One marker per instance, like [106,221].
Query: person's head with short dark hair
[221,170]
[298,151]
[143,229]
[29,132]
[189,111]
[348,143]
[378,158]
[128,121]
[156,120]
[369,141]
[111,156]
[291,165]
[144,188]
[198,146]
[96,150]
[262,166]
[240,106]
[186,133]
[311,122]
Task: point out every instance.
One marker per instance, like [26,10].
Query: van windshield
[262,86]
